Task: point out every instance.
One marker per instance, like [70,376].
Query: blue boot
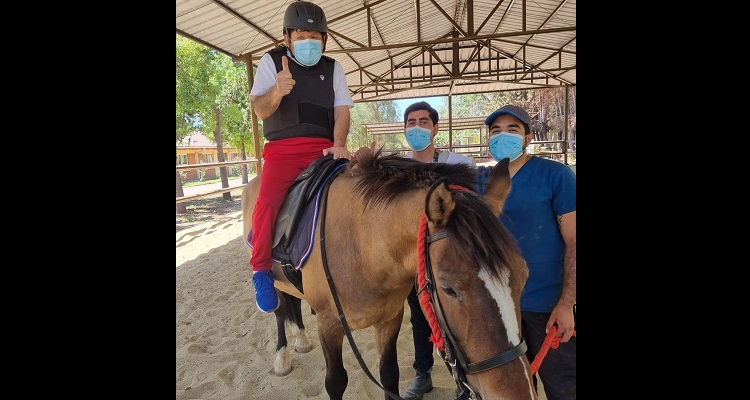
[265,293]
[422,384]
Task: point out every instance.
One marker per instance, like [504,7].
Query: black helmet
[305,15]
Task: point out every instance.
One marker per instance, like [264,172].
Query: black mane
[381,178]
[475,233]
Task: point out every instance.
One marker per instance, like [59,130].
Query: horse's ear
[439,204]
[498,186]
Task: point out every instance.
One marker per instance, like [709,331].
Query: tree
[550,105]
[191,79]
[546,106]
[206,96]
[367,113]
[234,100]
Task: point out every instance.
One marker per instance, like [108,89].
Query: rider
[303,99]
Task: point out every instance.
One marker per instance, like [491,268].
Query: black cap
[515,111]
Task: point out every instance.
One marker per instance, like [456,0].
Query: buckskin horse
[384,219]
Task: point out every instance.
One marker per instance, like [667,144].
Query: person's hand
[562,315]
[284,80]
[364,150]
[337,151]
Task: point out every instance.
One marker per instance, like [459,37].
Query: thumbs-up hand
[284,80]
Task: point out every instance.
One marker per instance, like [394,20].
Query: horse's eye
[450,292]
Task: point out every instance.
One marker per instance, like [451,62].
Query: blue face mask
[418,138]
[308,51]
[506,145]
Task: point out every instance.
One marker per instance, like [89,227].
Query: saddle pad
[301,243]
[301,193]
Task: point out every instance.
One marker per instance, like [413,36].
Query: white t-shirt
[447,157]
[265,79]
[453,158]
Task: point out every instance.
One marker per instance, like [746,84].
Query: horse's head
[478,276]
[462,247]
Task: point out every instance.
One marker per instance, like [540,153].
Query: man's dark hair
[422,105]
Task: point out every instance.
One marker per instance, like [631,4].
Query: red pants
[283,161]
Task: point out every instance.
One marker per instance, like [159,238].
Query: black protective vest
[308,109]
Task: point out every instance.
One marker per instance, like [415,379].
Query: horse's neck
[384,238]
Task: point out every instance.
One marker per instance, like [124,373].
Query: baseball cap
[510,109]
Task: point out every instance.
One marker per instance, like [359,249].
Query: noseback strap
[498,360]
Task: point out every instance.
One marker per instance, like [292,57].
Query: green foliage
[367,113]
[546,107]
[209,81]
[193,84]
[234,101]
[477,104]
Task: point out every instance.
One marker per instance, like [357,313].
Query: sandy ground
[225,346]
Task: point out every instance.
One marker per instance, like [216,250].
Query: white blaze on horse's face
[500,291]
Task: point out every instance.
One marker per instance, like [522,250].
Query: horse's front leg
[331,335]
[386,335]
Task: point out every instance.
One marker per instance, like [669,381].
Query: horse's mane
[476,233]
[381,178]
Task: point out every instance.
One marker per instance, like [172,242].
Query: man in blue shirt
[540,212]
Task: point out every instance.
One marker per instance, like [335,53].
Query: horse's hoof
[302,344]
[282,365]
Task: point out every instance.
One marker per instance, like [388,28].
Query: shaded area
[205,210]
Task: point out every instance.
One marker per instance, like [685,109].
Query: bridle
[446,345]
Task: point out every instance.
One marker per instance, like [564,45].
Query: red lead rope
[424,295]
[549,341]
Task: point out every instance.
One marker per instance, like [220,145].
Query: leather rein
[329,279]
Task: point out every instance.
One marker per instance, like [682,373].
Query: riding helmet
[305,15]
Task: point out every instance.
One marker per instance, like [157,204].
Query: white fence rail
[211,165]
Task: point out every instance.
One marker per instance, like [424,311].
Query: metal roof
[393,49]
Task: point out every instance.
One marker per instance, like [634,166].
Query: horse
[379,214]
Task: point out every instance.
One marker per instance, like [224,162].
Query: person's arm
[562,314]
[267,103]
[341,114]
[341,120]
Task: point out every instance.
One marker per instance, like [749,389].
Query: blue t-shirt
[540,191]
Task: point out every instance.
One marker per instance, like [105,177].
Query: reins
[329,279]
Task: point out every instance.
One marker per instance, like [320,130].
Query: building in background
[198,149]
